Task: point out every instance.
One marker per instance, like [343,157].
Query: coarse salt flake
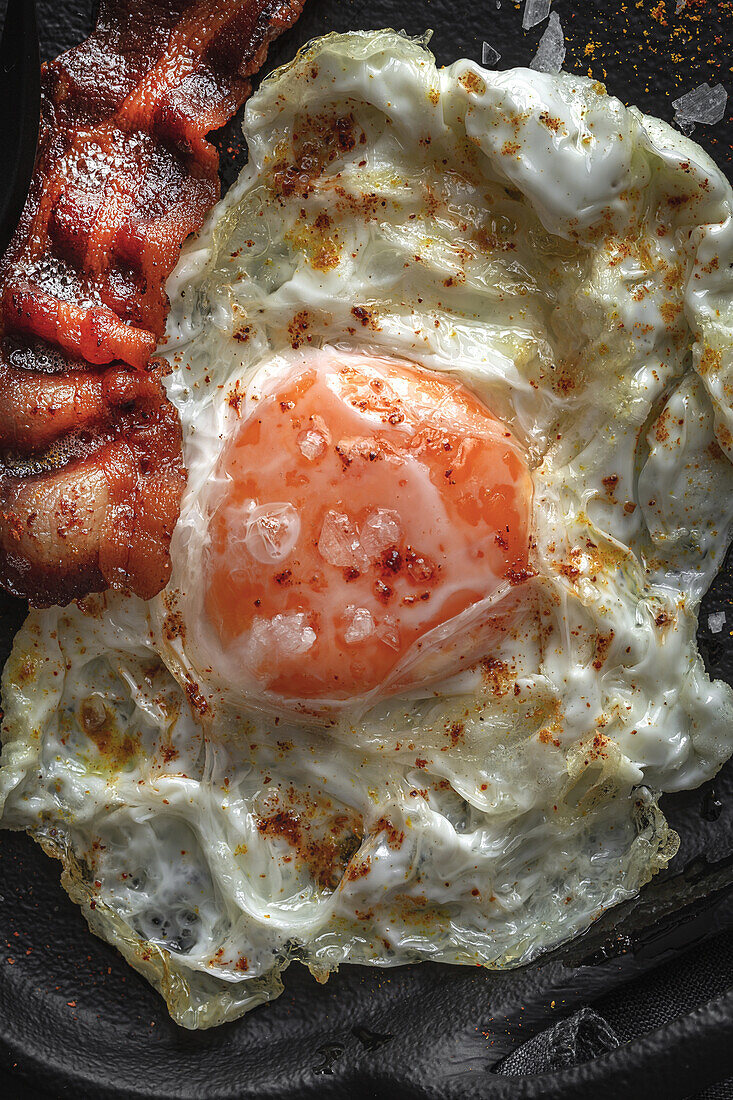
[551,50]
[380,531]
[703,104]
[360,625]
[272,532]
[535,11]
[339,542]
[311,444]
[389,632]
[290,634]
[489,55]
[716,622]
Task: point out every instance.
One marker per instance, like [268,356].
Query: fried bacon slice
[91,470]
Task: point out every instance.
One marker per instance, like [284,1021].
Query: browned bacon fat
[91,472]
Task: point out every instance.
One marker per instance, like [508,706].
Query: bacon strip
[98,509]
[91,471]
[38,409]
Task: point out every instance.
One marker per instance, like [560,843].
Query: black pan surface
[75,1020]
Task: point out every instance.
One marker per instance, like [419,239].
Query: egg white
[569,260]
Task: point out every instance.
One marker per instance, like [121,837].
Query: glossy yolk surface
[366,501]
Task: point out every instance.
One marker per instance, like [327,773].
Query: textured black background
[76,1021]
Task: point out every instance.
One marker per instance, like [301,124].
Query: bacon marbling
[91,470]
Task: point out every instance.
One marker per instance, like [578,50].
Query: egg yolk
[365,503]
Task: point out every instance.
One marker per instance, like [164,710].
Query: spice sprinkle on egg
[453,363]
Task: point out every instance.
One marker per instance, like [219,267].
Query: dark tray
[75,1020]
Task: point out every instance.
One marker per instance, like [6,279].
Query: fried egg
[453,362]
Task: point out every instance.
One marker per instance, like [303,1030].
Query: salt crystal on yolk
[366,502]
